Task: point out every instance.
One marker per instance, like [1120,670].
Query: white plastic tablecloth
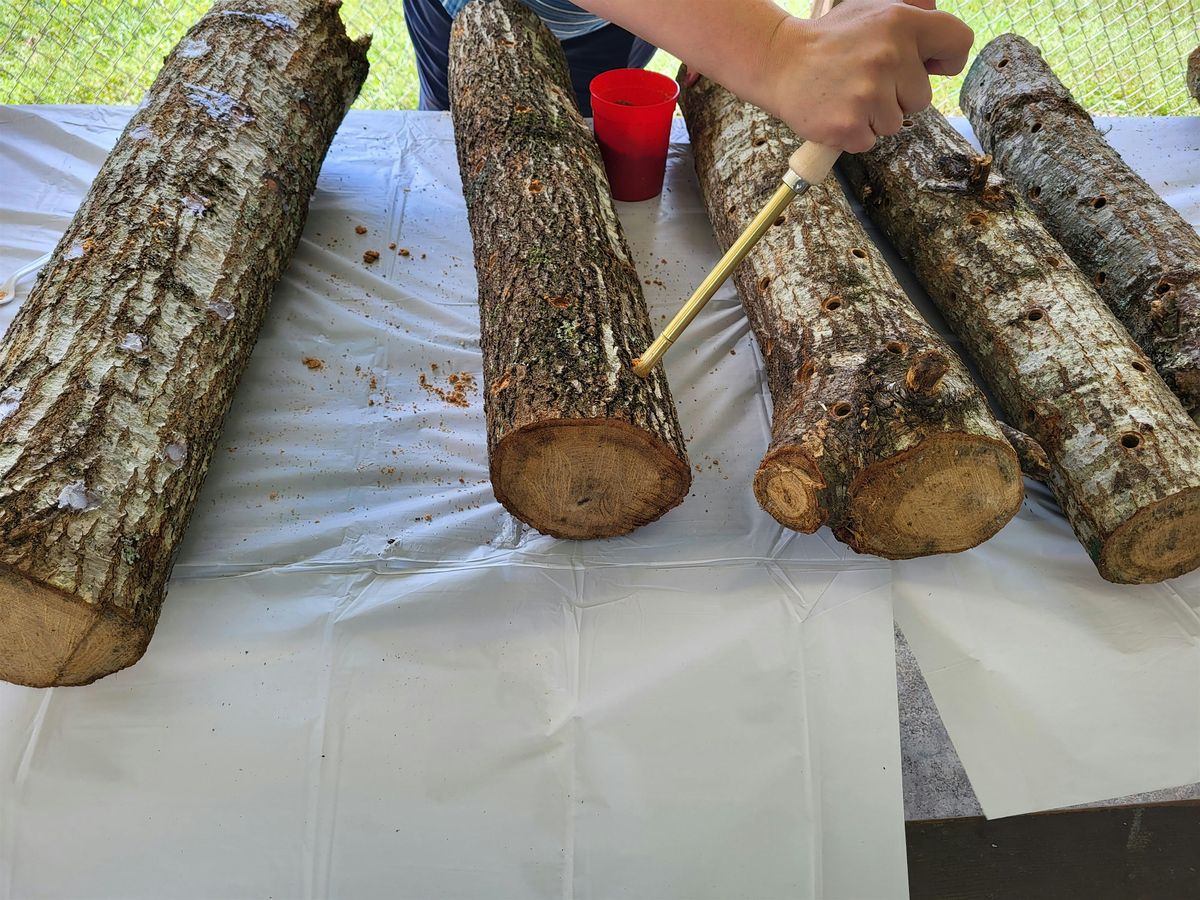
[369,680]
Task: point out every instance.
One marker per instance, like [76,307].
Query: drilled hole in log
[1035,127]
[859,252]
[1053,262]
[764,283]
[832,303]
[508,43]
[1036,314]
[1035,192]
[559,302]
[907,123]
[841,409]
[1002,63]
[759,141]
[1163,287]
[779,221]
[976,219]
[1131,440]
[896,347]
[1140,366]
[1100,203]
[805,372]
[1099,278]
[535,186]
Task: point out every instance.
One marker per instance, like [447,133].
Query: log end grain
[53,640]
[949,493]
[1158,542]
[787,485]
[587,478]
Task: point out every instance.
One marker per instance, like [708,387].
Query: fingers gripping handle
[812,163]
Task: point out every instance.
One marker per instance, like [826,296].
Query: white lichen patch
[271,19]
[193,204]
[222,309]
[132,342]
[10,401]
[218,105]
[610,353]
[176,452]
[76,496]
[142,133]
[191,49]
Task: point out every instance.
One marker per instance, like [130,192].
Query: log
[1124,455]
[1034,462]
[117,372]
[878,429]
[578,445]
[1193,74]
[1141,255]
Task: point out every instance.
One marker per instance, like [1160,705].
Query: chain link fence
[1119,57]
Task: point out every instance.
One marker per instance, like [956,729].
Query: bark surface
[1124,455]
[579,446]
[118,370]
[1141,255]
[1193,74]
[878,430]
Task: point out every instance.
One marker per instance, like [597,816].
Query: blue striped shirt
[564,18]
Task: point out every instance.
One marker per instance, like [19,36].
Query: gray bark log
[878,430]
[117,372]
[1141,255]
[579,447]
[1125,457]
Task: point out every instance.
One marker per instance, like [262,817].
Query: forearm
[727,40]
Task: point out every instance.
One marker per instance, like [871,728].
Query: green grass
[1117,56]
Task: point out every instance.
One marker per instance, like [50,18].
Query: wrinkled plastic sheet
[370,680]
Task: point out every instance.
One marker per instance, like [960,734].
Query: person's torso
[564,18]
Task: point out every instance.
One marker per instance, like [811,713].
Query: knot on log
[926,372]
[981,168]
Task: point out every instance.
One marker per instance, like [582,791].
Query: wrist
[789,43]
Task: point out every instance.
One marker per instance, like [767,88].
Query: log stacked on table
[578,445]
[878,430]
[117,372]
[1125,456]
[1141,255]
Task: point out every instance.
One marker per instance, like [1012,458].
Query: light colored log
[1124,455]
[117,372]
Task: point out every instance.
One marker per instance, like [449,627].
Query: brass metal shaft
[734,255]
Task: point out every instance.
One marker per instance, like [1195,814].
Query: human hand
[856,72]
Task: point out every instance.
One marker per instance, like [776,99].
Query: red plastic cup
[631,110]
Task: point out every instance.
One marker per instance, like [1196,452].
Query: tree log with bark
[878,430]
[1193,74]
[1141,255]
[578,445]
[117,372]
[1124,455]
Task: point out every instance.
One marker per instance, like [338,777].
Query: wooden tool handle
[813,161]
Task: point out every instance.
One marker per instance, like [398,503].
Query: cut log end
[786,486]
[1159,542]
[587,478]
[58,641]
[947,494]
